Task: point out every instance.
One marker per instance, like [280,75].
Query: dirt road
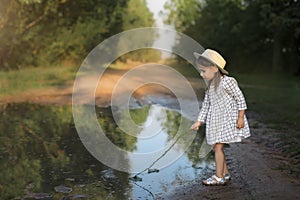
[257,172]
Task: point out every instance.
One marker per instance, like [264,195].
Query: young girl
[223,111]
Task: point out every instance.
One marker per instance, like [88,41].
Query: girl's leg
[225,166]
[220,160]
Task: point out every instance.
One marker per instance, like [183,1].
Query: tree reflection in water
[40,149]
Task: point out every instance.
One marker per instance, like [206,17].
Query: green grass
[28,79]
[275,98]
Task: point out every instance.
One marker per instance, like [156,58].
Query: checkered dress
[220,113]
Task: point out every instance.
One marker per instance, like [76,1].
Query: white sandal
[227,177]
[214,180]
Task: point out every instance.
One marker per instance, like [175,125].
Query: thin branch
[33,23]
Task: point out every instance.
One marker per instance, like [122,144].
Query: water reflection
[161,130]
[41,155]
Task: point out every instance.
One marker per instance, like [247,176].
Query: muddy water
[42,156]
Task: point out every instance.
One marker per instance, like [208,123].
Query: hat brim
[197,56]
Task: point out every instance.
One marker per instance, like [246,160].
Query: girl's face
[207,73]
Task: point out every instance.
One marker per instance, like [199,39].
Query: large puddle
[42,156]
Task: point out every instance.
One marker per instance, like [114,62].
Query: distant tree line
[254,35]
[49,32]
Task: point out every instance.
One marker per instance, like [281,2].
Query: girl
[223,111]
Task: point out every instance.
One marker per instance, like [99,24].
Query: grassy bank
[15,82]
[275,98]
[275,102]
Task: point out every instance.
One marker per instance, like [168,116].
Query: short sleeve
[231,87]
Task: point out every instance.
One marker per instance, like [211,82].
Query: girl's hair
[217,78]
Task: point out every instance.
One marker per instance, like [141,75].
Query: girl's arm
[240,121]
[232,88]
[196,125]
[203,113]
[204,110]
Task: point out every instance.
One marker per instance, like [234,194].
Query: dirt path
[258,172]
[258,167]
[111,82]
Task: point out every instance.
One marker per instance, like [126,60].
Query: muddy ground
[260,166]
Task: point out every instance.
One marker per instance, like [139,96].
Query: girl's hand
[240,123]
[196,125]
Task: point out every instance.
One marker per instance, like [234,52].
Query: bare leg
[220,159]
[225,166]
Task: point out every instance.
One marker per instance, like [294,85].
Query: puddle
[42,156]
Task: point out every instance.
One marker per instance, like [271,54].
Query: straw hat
[213,57]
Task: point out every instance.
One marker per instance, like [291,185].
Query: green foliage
[183,67]
[137,15]
[115,134]
[139,116]
[40,149]
[140,55]
[275,97]
[43,33]
[182,13]
[21,132]
[18,175]
[253,35]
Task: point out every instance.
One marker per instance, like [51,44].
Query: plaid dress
[220,113]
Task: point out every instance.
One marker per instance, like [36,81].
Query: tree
[138,15]
[281,19]
[41,32]
[39,143]
[263,35]
[182,13]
